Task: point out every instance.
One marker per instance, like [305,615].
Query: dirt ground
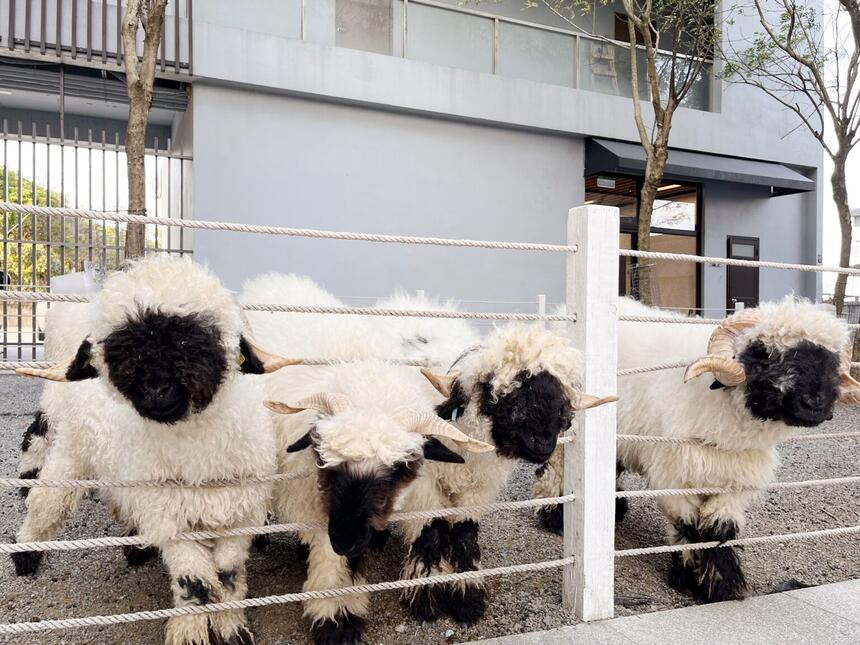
[88,582]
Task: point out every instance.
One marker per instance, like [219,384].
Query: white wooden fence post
[589,462]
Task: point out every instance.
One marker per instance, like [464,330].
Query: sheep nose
[812,401]
[157,390]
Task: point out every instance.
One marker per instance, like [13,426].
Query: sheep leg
[231,555]
[682,514]
[428,555]
[467,599]
[720,575]
[193,581]
[549,482]
[34,450]
[47,509]
[338,620]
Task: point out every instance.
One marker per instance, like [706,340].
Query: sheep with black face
[159,395]
[776,369]
[365,432]
[518,391]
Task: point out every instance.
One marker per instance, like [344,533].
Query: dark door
[741,282]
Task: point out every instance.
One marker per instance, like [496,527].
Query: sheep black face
[166,365]
[527,421]
[799,386]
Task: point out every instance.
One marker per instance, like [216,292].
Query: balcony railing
[89,32]
[471,39]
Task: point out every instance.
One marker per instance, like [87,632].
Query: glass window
[675,208]
[364,24]
[675,286]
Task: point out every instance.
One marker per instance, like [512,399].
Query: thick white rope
[146,483]
[116,619]
[394,585]
[704,259]
[670,492]
[13,365]
[671,319]
[761,539]
[817,436]
[405,516]
[280,230]
[33,296]
[653,368]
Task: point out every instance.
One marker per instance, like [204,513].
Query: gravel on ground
[94,582]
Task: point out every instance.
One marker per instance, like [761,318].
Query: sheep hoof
[552,518]
[467,606]
[426,603]
[27,562]
[346,630]
[242,637]
[136,556]
[681,577]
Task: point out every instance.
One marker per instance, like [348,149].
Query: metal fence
[89,31]
[86,171]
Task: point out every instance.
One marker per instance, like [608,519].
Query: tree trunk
[135,147]
[654,169]
[840,198]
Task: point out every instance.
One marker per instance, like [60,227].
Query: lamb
[159,396]
[368,434]
[777,369]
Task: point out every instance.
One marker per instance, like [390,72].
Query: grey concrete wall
[781,223]
[273,159]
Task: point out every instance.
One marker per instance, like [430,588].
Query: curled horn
[426,423]
[587,401]
[271,362]
[329,403]
[443,383]
[721,350]
[849,388]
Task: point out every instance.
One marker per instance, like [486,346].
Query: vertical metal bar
[20,234]
[59,38]
[90,193]
[155,194]
[49,236]
[169,194]
[6,230]
[104,31]
[163,46]
[103,253]
[27,25]
[74,28]
[34,233]
[176,49]
[405,25]
[188,20]
[11,38]
[62,102]
[116,179]
[182,203]
[89,29]
[119,32]
[75,221]
[62,201]
[43,27]
[495,44]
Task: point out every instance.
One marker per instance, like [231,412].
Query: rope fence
[674,492]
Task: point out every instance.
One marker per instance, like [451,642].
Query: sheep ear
[301,444]
[435,450]
[77,368]
[716,385]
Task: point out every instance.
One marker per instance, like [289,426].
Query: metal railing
[89,32]
[86,171]
[480,41]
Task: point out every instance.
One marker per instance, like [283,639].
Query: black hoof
[137,555]
[682,578]
[241,637]
[427,604]
[379,539]
[260,543]
[27,562]
[346,630]
[621,508]
[552,518]
[30,474]
[468,607]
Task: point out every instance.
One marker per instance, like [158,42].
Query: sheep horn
[587,401]
[426,423]
[271,362]
[721,350]
[329,403]
[849,388]
[55,373]
[443,383]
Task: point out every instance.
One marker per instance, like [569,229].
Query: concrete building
[430,118]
